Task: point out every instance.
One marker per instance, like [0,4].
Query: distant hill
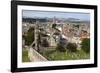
[46,19]
[33,20]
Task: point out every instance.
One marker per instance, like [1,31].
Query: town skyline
[51,14]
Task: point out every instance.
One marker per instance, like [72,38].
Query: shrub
[86,45]
[60,48]
[72,47]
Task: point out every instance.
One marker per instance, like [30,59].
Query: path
[35,56]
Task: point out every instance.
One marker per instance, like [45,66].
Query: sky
[51,14]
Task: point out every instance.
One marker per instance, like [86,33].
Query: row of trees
[72,47]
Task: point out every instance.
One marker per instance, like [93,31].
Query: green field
[25,56]
[52,54]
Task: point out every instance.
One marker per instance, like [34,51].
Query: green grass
[25,56]
[57,55]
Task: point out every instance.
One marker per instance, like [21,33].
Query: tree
[86,45]
[30,36]
[45,43]
[77,26]
[60,48]
[54,25]
[72,47]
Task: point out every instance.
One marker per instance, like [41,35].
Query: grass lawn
[25,56]
[57,55]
